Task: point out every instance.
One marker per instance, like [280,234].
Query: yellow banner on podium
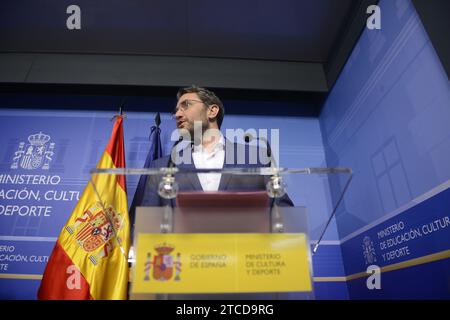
[221,263]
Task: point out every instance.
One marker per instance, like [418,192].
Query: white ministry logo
[368,251]
[35,154]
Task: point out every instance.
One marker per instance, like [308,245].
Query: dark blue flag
[155,152]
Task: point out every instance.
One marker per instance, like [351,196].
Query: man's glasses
[185,104]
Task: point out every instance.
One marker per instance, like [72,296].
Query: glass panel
[248,200]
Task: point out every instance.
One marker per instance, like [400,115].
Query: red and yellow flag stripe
[90,258]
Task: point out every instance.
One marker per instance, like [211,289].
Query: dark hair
[208,97]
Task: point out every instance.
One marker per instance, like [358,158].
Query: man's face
[188,110]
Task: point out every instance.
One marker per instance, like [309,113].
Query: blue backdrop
[386,117]
[35,202]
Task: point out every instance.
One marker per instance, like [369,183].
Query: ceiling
[125,47]
[294,30]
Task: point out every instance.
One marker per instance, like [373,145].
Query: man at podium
[204,200]
[199,114]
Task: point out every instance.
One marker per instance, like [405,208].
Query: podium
[245,241]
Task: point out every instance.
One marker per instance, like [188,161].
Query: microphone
[276,188]
[168,188]
[171,164]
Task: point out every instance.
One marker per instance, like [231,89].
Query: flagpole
[157,119]
[120,113]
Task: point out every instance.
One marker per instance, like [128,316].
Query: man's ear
[213,111]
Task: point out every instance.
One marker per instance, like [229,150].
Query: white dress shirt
[209,160]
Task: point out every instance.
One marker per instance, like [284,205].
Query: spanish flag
[90,258]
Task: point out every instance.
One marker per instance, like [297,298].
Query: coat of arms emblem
[163,264]
[369,251]
[36,154]
[96,229]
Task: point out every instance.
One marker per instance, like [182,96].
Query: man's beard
[195,130]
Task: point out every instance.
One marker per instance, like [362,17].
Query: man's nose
[178,114]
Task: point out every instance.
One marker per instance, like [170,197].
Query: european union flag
[155,152]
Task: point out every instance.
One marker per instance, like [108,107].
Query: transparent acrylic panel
[248,200]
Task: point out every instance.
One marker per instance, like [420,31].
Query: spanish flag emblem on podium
[90,257]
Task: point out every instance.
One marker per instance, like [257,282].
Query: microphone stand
[275,188]
[167,189]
